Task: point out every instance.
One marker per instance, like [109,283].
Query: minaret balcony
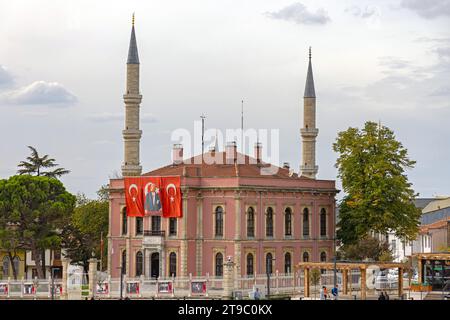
[132,98]
[308,132]
[309,168]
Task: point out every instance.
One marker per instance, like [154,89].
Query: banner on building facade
[153,196]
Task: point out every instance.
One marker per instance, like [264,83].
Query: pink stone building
[230,209]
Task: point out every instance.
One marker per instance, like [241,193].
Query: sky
[62,78]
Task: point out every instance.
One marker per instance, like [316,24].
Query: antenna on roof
[203,117]
[242,125]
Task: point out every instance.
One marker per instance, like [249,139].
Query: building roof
[245,166]
[133,57]
[437,204]
[422,202]
[309,86]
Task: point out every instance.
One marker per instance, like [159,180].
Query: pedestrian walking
[381,296]
[322,293]
[257,294]
[335,292]
[325,292]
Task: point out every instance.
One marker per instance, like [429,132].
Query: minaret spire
[133,57]
[309,131]
[309,86]
[132,98]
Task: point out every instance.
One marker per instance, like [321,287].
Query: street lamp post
[121,281]
[269,262]
[335,258]
[53,283]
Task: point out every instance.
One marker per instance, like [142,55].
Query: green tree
[314,280]
[378,196]
[36,164]
[35,209]
[368,248]
[88,227]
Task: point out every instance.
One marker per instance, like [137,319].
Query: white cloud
[111,116]
[428,9]
[298,13]
[367,12]
[39,92]
[6,79]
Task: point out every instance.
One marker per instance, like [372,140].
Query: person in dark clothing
[381,296]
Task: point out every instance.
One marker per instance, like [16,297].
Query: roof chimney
[258,152]
[231,152]
[177,153]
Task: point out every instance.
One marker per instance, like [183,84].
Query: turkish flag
[134,197]
[152,195]
[171,197]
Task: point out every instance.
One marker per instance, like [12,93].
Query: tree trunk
[13,267]
[36,252]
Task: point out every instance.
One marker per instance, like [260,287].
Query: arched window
[219,264]
[323,222]
[269,222]
[288,222]
[323,256]
[287,263]
[250,264]
[250,222]
[5,266]
[173,264]
[124,261]
[269,261]
[124,221]
[305,256]
[305,222]
[219,222]
[139,263]
[16,264]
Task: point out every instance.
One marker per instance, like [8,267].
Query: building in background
[53,264]
[6,270]
[434,230]
[231,208]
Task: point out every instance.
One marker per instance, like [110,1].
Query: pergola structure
[422,257]
[348,266]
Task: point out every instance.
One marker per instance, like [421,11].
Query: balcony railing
[154,233]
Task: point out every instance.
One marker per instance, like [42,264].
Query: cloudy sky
[62,77]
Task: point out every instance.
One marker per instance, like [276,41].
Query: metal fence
[31,289]
[186,287]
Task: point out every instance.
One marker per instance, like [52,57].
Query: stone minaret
[309,131]
[132,98]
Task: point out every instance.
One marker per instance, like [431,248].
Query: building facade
[6,266]
[231,208]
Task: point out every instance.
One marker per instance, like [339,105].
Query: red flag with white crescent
[134,197]
[171,197]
